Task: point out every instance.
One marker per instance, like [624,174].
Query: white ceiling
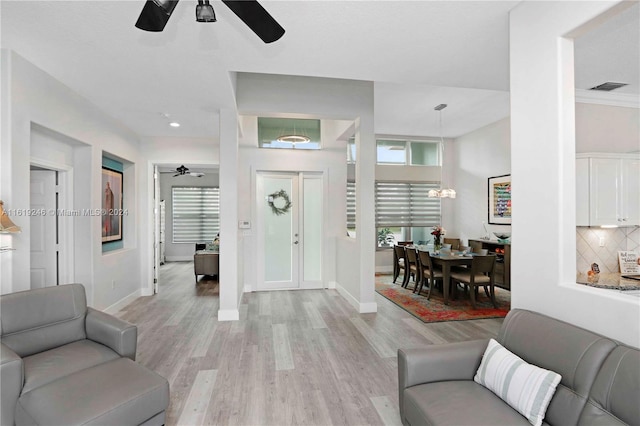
[418,53]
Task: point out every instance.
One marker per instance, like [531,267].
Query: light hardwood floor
[294,358]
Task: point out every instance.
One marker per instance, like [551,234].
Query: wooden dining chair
[480,274]
[411,266]
[455,243]
[398,262]
[405,243]
[428,273]
[480,251]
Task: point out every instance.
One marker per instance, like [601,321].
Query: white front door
[44,263]
[289,230]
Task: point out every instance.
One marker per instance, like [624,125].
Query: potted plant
[385,237]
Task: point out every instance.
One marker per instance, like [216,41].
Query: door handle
[295,242]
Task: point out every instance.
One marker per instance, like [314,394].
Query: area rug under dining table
[434,309]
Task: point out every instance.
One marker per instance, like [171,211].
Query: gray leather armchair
[600,383]
[63,363]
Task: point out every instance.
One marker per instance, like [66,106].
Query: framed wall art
[500,200]
[111,205]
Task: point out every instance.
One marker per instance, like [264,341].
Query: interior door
[290,230]
[44,264]
[278,236]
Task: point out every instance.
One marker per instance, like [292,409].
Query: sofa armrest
[438,363]
[12,378]
[113,332]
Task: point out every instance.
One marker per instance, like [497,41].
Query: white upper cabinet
[612,195]
[631,191]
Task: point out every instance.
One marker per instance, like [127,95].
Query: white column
[230,289]
[365,210]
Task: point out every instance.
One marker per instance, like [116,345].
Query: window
[196,214]
[405,209]
[415,153]
[351,207]
[270,129]
[391,152]
[351,151]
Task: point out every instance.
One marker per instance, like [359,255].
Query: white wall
[30,97]
[605,128]
[543,172]
[475,157]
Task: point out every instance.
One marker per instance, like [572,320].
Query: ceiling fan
[183,171]
[156,13]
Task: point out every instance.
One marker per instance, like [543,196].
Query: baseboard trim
[348,297]
[384,269]
[362,308]
[332,284]
[247,288]
[179,258]
[120,304]
[228,315]
[368,308]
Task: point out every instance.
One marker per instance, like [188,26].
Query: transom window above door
[289,133]
[408,152]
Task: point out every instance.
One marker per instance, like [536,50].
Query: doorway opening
[186,219]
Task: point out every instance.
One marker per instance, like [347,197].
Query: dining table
[447,259]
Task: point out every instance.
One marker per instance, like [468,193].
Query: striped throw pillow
[526,388]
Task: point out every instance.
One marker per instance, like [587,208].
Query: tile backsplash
[589,250]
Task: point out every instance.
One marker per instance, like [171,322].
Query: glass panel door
[289,230]
[312,219]
[278,230]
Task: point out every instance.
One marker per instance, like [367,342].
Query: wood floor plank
[387,411]
[282,348]
[314,316]
[379,345]
[294,358]
[195,407]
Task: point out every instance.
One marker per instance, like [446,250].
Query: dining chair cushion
[525,387]
[465,276]
[437,273]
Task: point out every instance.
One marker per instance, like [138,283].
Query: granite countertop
[610,281]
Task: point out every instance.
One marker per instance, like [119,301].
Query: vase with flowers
[437,232]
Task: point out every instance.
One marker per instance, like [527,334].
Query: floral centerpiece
[437,232]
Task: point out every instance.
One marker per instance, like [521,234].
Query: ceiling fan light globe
[204,12]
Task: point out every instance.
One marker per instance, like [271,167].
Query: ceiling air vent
[608,86]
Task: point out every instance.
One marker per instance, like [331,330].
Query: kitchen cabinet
[607,190]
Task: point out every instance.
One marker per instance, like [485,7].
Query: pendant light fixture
[295,137]
[444,192]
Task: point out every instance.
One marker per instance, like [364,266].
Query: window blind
[351,204]
[406,204]
[196,214]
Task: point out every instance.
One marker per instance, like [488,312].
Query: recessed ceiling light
[174,124]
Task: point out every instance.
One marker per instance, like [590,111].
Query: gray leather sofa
[600,377]
[65,364]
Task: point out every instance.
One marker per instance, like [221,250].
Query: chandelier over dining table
[443,192]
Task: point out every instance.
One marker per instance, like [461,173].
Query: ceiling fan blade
[155,14]
[256,18]
[177,174]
